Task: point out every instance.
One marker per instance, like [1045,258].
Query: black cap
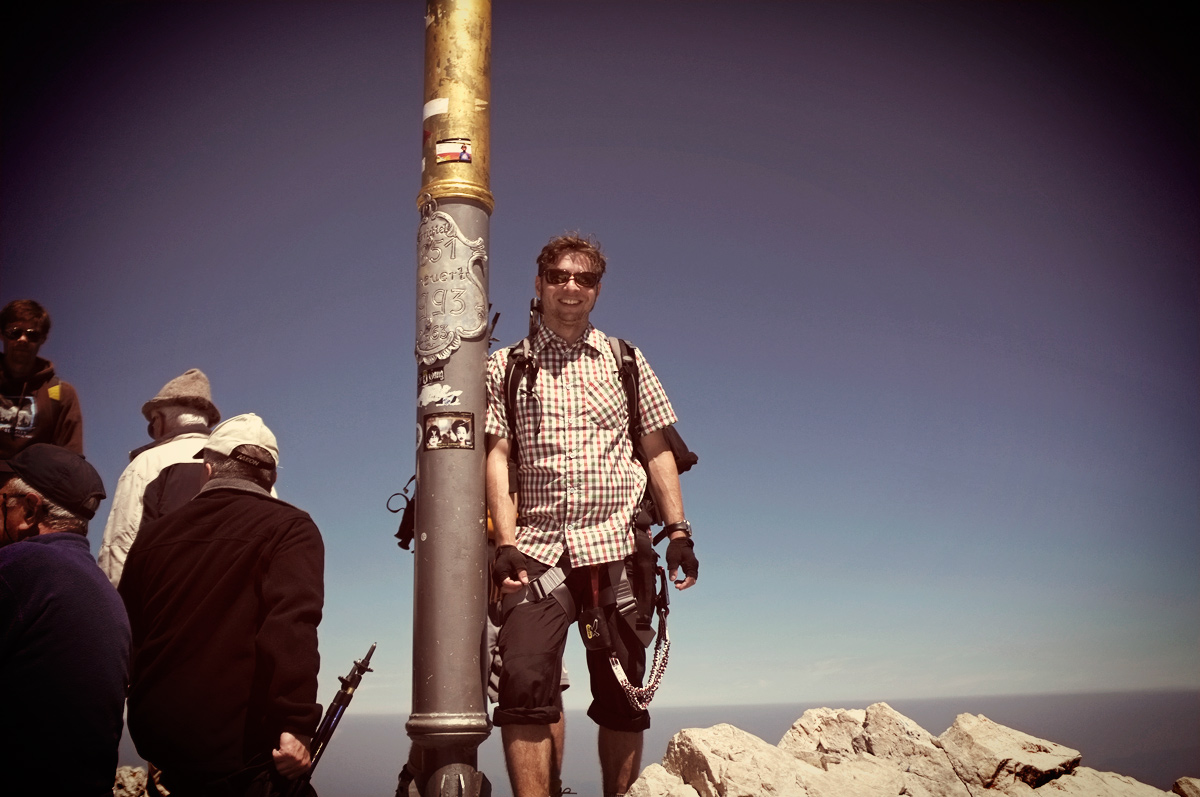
[63,476]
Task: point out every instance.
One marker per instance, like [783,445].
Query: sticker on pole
[438,393]
[449,430]
[453,150]
[431,374]
[451,300]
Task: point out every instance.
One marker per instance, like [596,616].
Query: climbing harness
[520,380]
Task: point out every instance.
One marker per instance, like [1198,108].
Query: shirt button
[570,527]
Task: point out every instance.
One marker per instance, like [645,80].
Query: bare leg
[558,734]
[620,759]
[527,751]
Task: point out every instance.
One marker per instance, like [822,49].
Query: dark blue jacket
[64,664]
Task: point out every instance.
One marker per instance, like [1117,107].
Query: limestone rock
[816,759]
[658,782]
[913,750]
[724,761]
[878,745]
[863,775]
[130,782]
[856,753]
[826,730]
[990,756]
[1187,787]
[1087,782]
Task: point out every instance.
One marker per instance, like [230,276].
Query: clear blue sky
[920,279]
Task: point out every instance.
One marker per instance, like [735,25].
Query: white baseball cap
[243,430]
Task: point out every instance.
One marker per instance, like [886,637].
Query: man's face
[22,339]
[156,426]
[567,304]
[460,434]
[14,518]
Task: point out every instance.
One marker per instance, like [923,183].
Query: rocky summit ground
[878,751]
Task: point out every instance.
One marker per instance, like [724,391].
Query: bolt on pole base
[452,780]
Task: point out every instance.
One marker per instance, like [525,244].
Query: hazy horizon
[1150,736]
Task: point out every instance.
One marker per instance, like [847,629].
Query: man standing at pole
[578,486]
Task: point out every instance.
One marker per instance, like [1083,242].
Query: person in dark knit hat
[163,475]
[64,636]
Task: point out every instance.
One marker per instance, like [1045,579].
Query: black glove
[508,563]
[680,554]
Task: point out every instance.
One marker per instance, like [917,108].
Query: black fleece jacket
[224,597]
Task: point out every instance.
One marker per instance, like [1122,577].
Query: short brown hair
[572,243]
[27,311]
[224,467]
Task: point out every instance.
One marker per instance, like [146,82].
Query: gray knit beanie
[190,389]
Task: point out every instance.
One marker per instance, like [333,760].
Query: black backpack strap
[520,366]
[628,370]
[684,458]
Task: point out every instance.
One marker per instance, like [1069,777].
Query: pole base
[458,780]
[451,780]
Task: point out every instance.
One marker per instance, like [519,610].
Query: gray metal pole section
[449,716]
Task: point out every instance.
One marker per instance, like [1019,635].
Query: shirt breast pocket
[606,405]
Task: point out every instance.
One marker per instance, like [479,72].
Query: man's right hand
[508,569]
[291,758]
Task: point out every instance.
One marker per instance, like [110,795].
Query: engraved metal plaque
[451,301]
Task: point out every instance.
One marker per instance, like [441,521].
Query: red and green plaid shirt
[579,481]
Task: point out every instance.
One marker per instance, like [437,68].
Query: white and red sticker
[453,150]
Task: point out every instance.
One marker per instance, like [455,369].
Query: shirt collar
[57,538]
[591,337]
[233,484]
[196,431]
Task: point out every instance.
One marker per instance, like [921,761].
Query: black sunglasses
[559,276]
[16,333]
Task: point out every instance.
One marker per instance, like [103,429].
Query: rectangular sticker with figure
[448,430]
[453,150]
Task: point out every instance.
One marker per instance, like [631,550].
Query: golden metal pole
[449,716]
[458,96]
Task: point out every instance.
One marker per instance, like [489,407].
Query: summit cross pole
[449,716]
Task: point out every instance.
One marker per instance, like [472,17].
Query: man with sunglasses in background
[577,487]
[35,405]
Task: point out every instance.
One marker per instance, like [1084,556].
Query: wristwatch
[683,525]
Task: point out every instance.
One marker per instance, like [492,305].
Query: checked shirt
[579,481]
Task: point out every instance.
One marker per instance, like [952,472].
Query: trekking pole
[333,715]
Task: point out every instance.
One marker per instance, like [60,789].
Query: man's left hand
[292,759]
[680,554]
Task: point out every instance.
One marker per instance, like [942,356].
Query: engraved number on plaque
[451,304]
